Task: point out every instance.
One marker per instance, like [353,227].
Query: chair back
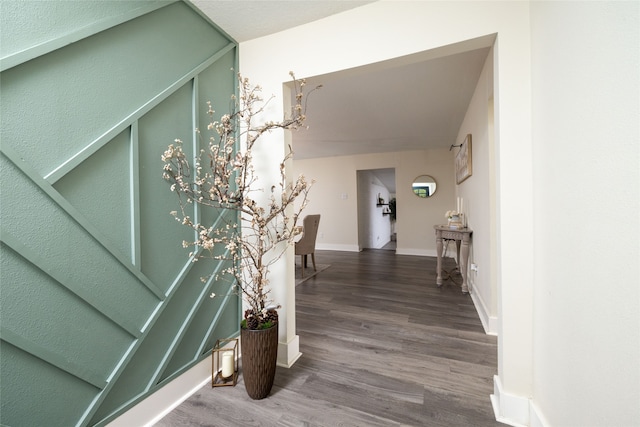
[307,244]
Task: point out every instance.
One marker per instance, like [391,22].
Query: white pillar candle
[227,364]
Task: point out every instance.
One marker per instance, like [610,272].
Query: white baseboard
[153,408]
[537,419]
[337,247]
[413,251]
[421,252]
[399,250]
[509,408]
[289,353]
[489,323]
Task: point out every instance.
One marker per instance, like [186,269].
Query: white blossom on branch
[222,178]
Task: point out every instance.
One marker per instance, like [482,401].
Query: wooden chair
[307,244]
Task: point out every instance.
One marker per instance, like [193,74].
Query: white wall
[388,29]
[479,198]
[568,300]
[584,101]
[336,177]
[587,174]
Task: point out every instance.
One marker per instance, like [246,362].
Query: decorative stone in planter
[259,357]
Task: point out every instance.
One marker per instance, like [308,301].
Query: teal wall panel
[214,319]
[95,83]
[159,231]
[54,19]
[69,252]
[147,366]
[37,307]
[195,295]
[106,173]
[100,304]
[215,89]
[54,398]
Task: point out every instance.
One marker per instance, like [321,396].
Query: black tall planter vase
[259,357]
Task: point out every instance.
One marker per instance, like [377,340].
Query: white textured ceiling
[408,103]
[391,106]
[249,19]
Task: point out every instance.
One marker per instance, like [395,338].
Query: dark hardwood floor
[382,346]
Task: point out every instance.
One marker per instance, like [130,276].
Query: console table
[462,237]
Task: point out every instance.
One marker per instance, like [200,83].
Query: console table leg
[464,258]
[462,236]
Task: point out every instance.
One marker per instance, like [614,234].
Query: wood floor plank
[382,346]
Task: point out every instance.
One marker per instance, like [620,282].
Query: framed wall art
[463,160]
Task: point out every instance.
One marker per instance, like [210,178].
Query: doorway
[376,208]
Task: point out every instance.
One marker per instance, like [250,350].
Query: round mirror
[424,186]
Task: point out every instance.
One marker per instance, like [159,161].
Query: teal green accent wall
[99,303]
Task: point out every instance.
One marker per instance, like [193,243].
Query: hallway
[381,346]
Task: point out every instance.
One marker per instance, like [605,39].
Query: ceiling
[249,19]
[414,102]
[402,104]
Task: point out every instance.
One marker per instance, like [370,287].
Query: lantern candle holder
[224,363]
